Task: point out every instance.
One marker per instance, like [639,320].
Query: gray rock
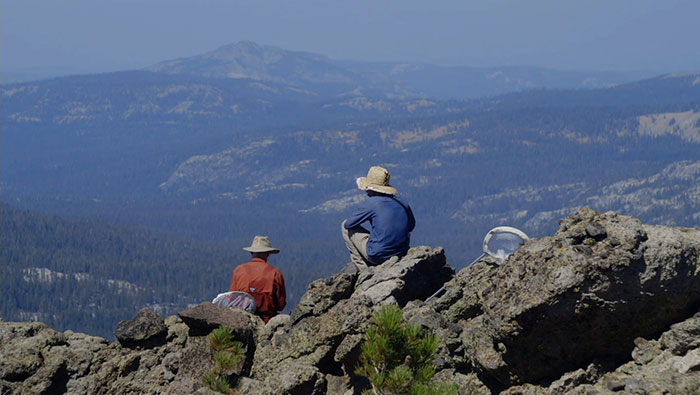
[645,351]
[171,363]
[327,328]
[207,316]
[467,383]
[417,275]
[566,383]
[23,347]
[316,340]
[338,385]
[195,360]
[350,345]
[596,231]
[146,330]
[652,371]
[615,385]
[683,336]
[541,317]
[177,330]
[324,294]
[689,363]
[276,325]
[205,391]
[249,386]
[525,389]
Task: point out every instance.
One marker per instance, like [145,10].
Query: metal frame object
[517,239]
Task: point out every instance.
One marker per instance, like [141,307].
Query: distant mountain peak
[251,48]
[247,59]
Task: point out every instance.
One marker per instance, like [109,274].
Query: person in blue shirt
[390,222]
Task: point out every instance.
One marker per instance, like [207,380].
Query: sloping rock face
[583,295]
[669,364]
[319,348]
[606,305]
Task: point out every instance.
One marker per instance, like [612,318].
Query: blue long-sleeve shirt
[390,226]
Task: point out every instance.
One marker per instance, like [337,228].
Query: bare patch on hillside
[336,205]
[461,147]
[400,139]
[364,104]
[329,139]
[685,125]
[582,138]
[224,166]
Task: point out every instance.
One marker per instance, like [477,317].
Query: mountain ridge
[247,59]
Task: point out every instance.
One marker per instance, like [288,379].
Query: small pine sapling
[398,358]
[227,357]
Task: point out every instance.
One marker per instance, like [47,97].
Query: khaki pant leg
[356,239]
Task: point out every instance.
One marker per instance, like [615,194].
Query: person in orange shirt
[260,279]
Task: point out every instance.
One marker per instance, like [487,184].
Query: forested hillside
[88,275]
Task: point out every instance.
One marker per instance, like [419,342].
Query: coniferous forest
[87,274]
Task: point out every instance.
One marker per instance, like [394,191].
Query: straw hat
[377,180]
[262,244]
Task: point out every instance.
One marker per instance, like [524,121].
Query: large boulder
[205,317]
[147,330]
[324,294]
[583,295]
[417,275]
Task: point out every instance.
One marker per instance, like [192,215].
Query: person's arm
[233,280]
[411,219]
[409,213]
[360,215]
[281,292]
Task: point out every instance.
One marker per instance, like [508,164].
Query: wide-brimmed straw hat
[377,180]
[262,244]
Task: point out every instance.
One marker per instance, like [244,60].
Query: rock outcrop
[38,360]
[583,295]
[319,347]
[606,305]
[146,330]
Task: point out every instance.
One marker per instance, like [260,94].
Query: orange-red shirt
[265,282]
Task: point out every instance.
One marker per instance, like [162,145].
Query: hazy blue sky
[100,35]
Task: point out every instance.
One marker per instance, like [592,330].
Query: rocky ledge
[606,305]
